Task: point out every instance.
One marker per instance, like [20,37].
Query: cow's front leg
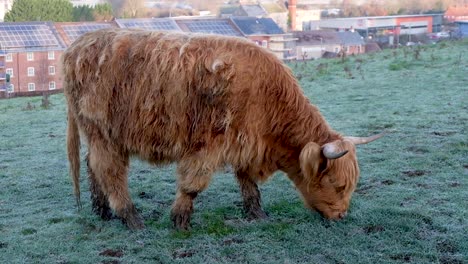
[251,196]
[110,168]
[194,177]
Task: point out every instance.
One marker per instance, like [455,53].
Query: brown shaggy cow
[204,102]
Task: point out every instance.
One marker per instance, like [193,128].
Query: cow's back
[168,95]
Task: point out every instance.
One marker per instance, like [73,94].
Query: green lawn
[411,205]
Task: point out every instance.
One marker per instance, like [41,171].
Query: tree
[40,10]
[83,13]
[128,8]
[102,12]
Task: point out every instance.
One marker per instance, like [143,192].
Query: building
[375,27]
[266,33]
[70,31]
[462,28]
[87,2]
[314,44]
[31,52]
[456,13]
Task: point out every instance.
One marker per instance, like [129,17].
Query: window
[31,87]
[264,43]
[51,55]
[30,71]
[11,88]
[9,71]
[51,70]
[51,85]
[30,56]
[9,57]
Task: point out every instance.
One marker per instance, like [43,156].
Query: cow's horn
[330,152]
[364,140]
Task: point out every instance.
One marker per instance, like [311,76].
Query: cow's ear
[310,160]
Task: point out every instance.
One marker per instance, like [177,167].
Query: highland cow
[204,102]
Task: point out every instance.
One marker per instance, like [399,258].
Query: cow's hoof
[254,214]
[134,222]
[181,221]
[132,219]
[103,211]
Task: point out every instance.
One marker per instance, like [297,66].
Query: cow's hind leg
[194,177]
[100,204]
[250,195]
[109,167]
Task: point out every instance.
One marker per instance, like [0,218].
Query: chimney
[292,13]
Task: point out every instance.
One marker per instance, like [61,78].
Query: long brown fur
[201,101]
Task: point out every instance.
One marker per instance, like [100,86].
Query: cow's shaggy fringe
[202,101]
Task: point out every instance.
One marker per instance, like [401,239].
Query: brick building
[30,57]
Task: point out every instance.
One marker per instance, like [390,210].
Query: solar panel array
[257,26]
[29,35]
[75,31]
[211,26]
[149,24]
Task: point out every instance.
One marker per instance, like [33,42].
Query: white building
[5,6]
[87,2]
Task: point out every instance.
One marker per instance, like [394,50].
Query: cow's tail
[73,149]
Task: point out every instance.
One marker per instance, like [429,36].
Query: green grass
[410,206]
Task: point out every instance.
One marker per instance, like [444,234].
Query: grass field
[411,205]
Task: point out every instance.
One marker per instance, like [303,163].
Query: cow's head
[329,175]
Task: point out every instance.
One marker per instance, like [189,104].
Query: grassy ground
[410,206]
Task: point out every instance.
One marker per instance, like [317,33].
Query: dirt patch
[145,195]
[415,173]
[110,261]
[450,260]
[182,253]
[364,189]
[446,246]
[418,150]
[444,133]
[373,229]
[3,245]
[401,257]
[231,241]
[387,182]
[115,253]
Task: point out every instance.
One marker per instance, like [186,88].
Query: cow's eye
[340,189]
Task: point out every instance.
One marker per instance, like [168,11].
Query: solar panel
[149,24]
[20,35]
[211,26]
[257,26]
[75,31]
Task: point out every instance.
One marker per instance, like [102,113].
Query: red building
[456,13]
[30,58]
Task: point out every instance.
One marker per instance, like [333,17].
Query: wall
[40,63]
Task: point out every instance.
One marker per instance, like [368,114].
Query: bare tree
[128,8]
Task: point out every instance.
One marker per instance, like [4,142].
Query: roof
[316,37]
[457,11]
[253,10]
[257,26]
[220,26]
[273,7]
[29,36]
[325,37]
[72,30]
[149,23]
[350,38]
